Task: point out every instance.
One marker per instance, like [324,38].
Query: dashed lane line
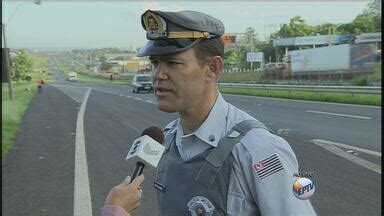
[338,114]
[149,101]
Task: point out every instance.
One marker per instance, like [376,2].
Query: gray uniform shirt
[248,190]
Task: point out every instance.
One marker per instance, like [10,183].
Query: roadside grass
[83,77]
[23,93]
[251,77]
[13,111]
[362,99]
[98,79]
[376,76]
[255,77]
[63,67]
[40,63]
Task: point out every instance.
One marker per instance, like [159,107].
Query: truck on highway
[72,76]
[345,58]
[320,59]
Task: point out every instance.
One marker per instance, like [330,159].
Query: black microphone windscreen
[155,133]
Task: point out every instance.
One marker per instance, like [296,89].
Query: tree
[374,11]
[22,65]
[249,37]
[230,59]
[368,21]
[296,28]
[325,29]
[104,64]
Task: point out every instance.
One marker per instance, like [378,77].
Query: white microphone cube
[146,150]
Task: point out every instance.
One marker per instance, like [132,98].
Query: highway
[340,143]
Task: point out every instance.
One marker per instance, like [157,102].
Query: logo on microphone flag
[147,150]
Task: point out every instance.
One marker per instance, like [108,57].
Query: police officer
[218,159]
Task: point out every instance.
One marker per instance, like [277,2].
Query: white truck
[342,58]
[72,76]
[320,59]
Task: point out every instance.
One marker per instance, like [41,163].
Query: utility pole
[252,51]
[7,58]
[8,64]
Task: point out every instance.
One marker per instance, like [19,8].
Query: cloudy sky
[100,24]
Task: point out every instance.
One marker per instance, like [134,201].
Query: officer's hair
[207,48]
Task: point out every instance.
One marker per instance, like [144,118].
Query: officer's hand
[126,195]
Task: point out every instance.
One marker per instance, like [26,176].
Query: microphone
[146,150]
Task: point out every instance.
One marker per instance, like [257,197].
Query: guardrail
[337,89]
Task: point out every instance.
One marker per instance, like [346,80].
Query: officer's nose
[159,72]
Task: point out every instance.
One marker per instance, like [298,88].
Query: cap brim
[170,46]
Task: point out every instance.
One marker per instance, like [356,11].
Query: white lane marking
[149,101]
[361,162]
[82,196]
[139,99]
[304,101]
[338,114]
[366,151]
[128,96]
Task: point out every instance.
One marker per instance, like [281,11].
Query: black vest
[199,184]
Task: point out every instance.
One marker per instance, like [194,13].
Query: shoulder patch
[267,166]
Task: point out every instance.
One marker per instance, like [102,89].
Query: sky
[87,25]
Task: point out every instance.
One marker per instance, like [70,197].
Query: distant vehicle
[274,65]
[72,76]
[142,82]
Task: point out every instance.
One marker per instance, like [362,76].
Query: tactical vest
[199,185]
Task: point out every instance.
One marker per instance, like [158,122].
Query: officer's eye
[174,63]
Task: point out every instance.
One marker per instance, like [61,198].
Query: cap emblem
[155,26]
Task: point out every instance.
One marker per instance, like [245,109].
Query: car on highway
[142,82]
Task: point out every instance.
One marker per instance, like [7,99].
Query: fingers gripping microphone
[146,150]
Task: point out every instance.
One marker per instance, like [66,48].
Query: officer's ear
[215,65]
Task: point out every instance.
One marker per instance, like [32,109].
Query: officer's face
[180,82]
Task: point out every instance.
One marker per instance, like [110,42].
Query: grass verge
[251,77]
[362,99]
[86,78]
[23,93]
[13,111]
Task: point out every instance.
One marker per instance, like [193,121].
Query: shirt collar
[214,126]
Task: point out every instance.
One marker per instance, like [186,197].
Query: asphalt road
[38,176]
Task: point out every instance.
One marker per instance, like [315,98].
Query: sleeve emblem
[267,166]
